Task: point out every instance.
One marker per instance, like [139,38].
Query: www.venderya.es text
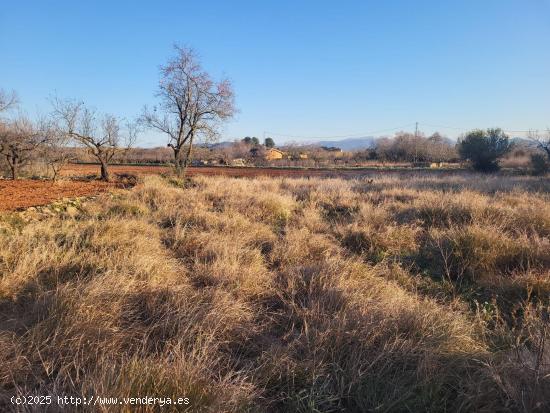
[67,401]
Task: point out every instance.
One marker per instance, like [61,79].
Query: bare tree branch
[542,141]
[7,100]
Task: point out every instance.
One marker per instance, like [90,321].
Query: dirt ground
[25,193]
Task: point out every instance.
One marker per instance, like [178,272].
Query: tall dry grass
[418,293]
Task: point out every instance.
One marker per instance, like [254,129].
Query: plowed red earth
[25,193]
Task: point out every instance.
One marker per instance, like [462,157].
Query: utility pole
[416,142]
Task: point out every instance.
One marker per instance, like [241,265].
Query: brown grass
[428,293]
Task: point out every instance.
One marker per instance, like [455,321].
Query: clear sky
[299,68]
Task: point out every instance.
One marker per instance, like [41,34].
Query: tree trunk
[188,157]
[13,164]
[104,171]
[177,160]
[55,173]
[13,170]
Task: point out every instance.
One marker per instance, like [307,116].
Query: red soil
[25,193]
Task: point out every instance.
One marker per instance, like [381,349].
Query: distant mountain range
[350,144]
[219,145]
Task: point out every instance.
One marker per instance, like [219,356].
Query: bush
[539,164]
[483,148]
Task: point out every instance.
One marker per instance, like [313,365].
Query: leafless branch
[7,100]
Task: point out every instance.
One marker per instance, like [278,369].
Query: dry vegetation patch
[275,294]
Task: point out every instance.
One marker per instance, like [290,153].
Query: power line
[444,127]
[285,135]
[374,132]
[467,129]
[415,141]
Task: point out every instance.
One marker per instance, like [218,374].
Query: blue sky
[300,68]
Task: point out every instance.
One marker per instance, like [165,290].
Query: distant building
[272,154]
[238,162]
[297,156]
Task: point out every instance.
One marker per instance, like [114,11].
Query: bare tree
[102,135]
[541,141]
[440,148]
[55,151]
[19,140]
[191,106]
[408,147]
[7,100]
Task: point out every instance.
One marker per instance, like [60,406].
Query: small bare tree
[542,141]
[191,106]
[102,135]
[55,151]
[19,141]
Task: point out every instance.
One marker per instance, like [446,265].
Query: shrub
[483,148]
[539,164]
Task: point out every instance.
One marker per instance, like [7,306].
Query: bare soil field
[21,194]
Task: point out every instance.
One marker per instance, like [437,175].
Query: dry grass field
[426,292]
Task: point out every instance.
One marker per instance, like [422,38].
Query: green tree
[255,141]
[483,148]
[539,164]
[247,140]
[269,143]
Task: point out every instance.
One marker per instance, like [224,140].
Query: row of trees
[23,140]
[482,148]
[408,147]
[268,142]
[191,106]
